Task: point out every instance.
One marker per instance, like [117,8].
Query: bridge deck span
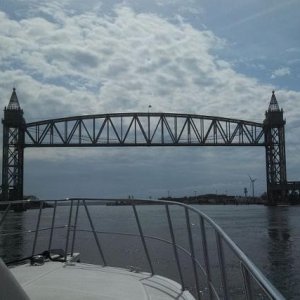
[143,129]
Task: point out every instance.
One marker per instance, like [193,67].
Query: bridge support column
[13,150]
[275,153]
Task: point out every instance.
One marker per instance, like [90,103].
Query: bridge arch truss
[143,129]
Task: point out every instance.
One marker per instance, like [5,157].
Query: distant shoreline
[211,199]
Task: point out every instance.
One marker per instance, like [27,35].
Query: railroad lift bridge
[144,129]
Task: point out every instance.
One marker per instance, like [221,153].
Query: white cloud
[281,72]
[124,63]
[73,64]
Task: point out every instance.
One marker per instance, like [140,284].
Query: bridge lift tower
[13,150]
[275,153]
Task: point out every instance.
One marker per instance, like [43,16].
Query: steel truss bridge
[144,129]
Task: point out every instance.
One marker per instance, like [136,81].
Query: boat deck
[56,280]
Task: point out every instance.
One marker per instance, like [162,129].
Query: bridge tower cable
[13,150]
[275,153]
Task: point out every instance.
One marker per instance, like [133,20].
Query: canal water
[270,237]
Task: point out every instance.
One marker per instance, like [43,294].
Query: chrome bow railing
[210,250]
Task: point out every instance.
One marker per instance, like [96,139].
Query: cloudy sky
[207,57]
